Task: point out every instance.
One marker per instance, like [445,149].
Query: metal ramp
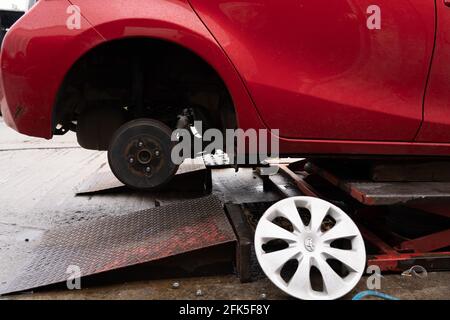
[192,175]
[117,242]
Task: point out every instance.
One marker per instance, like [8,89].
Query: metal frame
[408,252]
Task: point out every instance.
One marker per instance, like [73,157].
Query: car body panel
[29,111]
[316,71]
[37,53]
[40,50]
[173,21]
[436,125]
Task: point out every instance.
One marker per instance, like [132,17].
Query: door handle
[447,3]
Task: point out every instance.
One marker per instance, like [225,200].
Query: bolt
[199,293]
[157,153]
[131,160]
[148,169]
[308,167]
[140,144]
[263,296]
[175,285]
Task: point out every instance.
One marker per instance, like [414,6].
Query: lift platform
[374,200]
[207,235]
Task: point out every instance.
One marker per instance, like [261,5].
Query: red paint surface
[436,126]
[316,71]
[309,68]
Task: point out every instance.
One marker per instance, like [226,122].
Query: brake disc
[317,257]
[140,154]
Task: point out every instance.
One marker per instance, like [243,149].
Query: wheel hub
[144,156]
[140,154]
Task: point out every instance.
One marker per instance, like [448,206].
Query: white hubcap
[327,252]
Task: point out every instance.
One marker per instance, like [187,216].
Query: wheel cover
[140,154]
[308,246]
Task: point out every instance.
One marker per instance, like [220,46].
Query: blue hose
[372,293]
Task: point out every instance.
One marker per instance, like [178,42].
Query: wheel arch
[201,44]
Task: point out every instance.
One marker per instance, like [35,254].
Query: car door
[436,125]
[315,70]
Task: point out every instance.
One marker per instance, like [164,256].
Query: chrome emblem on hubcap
[309,244]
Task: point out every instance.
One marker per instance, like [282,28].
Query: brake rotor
[140,154]
[310,249]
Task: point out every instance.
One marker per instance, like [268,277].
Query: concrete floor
[37,180]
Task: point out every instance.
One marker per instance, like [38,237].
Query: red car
[315,70]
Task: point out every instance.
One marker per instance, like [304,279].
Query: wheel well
[138,78]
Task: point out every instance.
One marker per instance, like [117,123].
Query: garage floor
[37,181]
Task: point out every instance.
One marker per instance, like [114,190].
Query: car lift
[366,200]
[201,233]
